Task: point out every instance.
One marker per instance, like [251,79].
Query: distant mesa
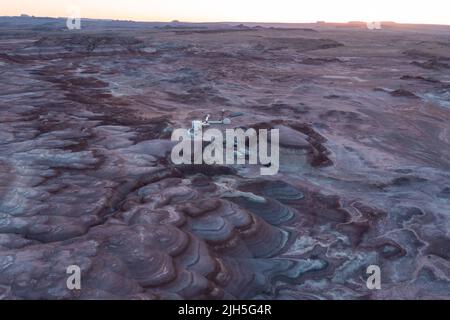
[242,26]
[357,24]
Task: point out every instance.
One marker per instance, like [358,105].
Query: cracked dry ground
[85,176]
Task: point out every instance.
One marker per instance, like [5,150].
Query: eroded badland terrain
[86,177]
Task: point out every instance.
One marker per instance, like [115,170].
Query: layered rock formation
[86,177]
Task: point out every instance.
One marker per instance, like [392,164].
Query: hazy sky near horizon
[413,11]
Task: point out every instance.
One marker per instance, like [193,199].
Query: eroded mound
[86,178]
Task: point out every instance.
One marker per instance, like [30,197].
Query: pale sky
[412,11]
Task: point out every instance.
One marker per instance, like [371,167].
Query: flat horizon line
[229,22]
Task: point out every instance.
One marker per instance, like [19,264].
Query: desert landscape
[86,177]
